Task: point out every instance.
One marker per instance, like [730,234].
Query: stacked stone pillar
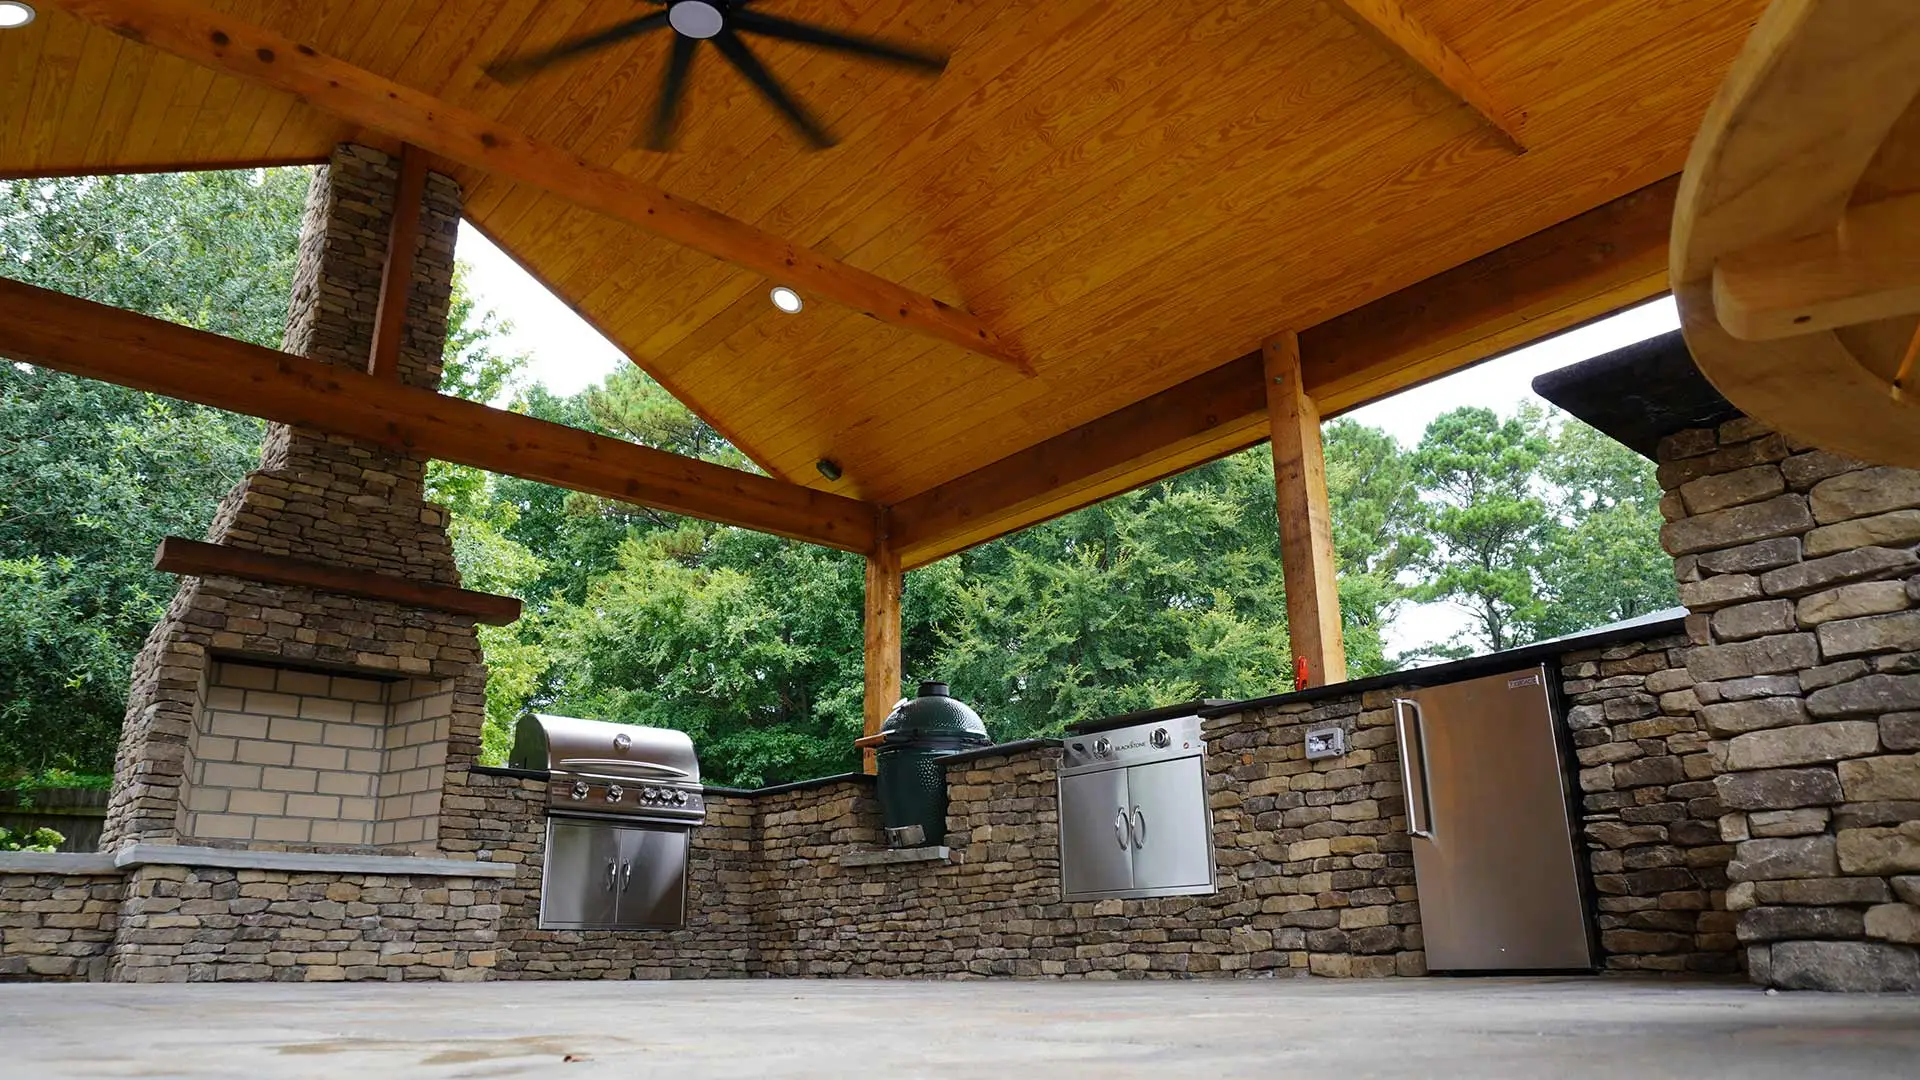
[1800,570]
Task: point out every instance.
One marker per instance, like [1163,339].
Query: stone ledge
[75,863]
[897,856]
[134,855]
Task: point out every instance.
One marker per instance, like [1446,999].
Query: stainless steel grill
[601,769]
[622,801]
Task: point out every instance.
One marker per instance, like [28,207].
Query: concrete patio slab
[1486,1029]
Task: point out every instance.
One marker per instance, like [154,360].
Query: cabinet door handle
[612,875]
[1120,827]
[626,876]
[1140,829]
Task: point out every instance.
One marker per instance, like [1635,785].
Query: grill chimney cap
[933,688]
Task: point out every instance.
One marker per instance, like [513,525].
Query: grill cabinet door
[653,877]
[1095,850]
[1172,833]
[580,887]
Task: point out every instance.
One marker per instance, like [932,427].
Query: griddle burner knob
[579,790]
[1161,738]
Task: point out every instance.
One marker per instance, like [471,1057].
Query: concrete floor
[1483,1029]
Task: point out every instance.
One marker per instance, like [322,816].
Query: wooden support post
[1306,528]
[396,277]
[882,622]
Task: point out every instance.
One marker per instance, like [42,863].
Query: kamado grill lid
[934,713]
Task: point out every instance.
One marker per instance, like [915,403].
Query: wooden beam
[100,342]
[195,559]
[882,625]
[396,274]
[1306,525]
[224,43]
[1407,36]
[1579,270]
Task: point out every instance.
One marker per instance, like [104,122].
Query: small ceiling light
[14,14]
[786,300]
[829,468]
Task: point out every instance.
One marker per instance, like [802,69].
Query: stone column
[319,498]
[1800,570]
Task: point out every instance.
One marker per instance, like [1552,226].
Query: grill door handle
[1120,827]
[613,873]
[626,873]
[1140,829]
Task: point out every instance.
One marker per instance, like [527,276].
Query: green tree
[1484,524]
[1604,561]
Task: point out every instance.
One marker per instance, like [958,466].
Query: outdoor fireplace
[318,671]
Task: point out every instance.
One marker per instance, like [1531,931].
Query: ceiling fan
[721,22]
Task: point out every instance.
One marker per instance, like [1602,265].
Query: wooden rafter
[396,274]
[1558,278]
[1306,523]
[1391,23]
[84,338]
[218,41]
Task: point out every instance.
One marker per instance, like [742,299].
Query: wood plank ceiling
[1131,193]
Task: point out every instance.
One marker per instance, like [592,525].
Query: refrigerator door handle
[1410,734]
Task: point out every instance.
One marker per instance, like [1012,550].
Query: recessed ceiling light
[786,300]
[14,14]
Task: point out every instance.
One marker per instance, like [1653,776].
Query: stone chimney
[269,716]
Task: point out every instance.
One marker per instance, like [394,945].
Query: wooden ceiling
[1130,193]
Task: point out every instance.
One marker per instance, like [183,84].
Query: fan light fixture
[786,300]
[14,14]
[695,19]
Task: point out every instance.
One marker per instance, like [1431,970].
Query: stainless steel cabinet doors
[1139,830]
[605,876]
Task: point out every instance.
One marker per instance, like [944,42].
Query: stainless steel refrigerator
[1487,809]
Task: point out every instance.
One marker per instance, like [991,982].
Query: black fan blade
[774,26]
[747,64]
[515,68]
[666,112]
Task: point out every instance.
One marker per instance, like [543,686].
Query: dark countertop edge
[1456,670]
[1147,716]
[517,774]
[1018,746]
[797,785]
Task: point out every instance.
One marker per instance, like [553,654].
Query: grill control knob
[680,796]
[1102,747]
[579,790]
[615,792]
[1161,738]
[652,793]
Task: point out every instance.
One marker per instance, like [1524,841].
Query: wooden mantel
[195,559]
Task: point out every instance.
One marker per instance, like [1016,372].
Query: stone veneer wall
[58,927]
[318,498]
[205,924]
[1651,813]
[1315,872]
[1801,571]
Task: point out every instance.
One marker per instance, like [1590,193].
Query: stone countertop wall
[1651,813]
[1315,873]
[1800,569]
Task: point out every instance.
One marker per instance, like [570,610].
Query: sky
[568,356]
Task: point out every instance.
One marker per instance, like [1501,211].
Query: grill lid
[934,714]
[568,744]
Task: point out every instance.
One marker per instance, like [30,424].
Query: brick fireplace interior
[282,756]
